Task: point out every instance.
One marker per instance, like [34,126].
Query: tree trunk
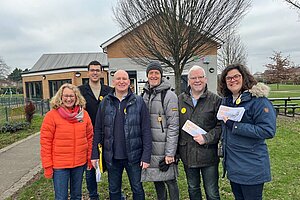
[177,73]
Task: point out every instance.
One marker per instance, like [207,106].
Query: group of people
[143,135]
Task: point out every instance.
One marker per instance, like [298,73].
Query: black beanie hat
[154,65]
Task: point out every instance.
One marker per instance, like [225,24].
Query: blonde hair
[56,100]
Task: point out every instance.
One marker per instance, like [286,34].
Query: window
[34,90]
[55,85]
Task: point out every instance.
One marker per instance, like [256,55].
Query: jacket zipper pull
[159,119]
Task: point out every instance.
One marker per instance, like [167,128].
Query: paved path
[19,163]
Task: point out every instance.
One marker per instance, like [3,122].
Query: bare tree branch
[174,31]
[294,3]
[4,69]
[232,51]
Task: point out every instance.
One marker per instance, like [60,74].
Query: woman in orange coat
[66,142]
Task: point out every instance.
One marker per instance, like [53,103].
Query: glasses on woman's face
[233,78]
[68,96]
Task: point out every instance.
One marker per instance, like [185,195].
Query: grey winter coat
[165,137]
[204,114]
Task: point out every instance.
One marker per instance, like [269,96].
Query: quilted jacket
[65,144]
[164,132]
[138,139]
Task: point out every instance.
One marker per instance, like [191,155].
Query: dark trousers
[247,192]
[210,177]
[161,191]
[90,177]
[61,179]
[115,172]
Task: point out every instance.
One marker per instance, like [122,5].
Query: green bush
[13,127]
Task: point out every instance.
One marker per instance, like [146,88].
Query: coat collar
[204,95]
[258,90]
[104,90]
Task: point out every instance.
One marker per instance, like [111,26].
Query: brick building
[52,70]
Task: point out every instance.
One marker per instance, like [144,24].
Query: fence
[287,104]
[12,109]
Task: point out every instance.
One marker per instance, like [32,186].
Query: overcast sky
[30,28]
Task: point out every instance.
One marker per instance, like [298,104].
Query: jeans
[210,177]
[61,178]
[161,191]
[90,177]
[247,192]
[115,172]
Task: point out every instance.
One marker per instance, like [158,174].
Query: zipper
[159,119]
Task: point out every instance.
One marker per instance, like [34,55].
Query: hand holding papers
[192,129]
[233,113]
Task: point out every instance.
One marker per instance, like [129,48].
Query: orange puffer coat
[65,144]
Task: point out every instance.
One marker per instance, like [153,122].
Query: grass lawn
[9,138]
[284,91]
[283,87]
[285,162]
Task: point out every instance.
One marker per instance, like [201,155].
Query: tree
[294,75]
[15,75]
[232,51]
[4,69]
[175,31]
[293,3]
[278,69]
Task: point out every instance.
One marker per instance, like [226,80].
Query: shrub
[13,127]
[29,111]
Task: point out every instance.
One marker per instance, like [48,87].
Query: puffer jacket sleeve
[264,125]
[89,134]
[97,133]
[172,115]
[46,140]
[146,132]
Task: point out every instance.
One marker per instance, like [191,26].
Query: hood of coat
[260,90]
[165,85]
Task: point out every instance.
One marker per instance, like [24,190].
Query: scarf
[73,116]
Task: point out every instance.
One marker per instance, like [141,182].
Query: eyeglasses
[95,70]
[233,78]
[68,96]
[194,78]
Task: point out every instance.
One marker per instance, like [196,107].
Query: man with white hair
[199,153]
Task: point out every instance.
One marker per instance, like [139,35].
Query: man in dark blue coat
[93,92]
[123,128]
